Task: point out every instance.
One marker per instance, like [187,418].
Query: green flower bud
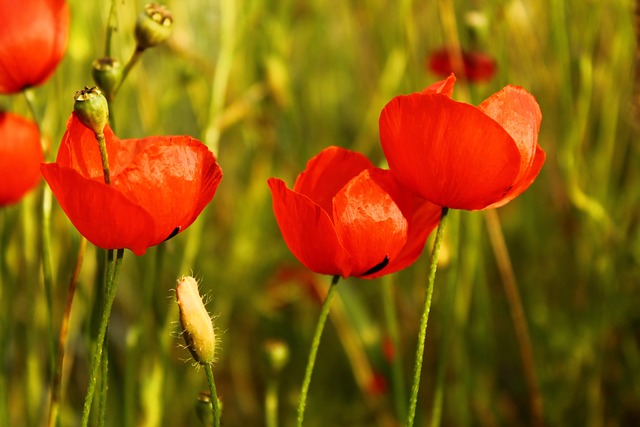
[107,73]
[153,26]
[196,324]
[277,354]
[203,408]
[92,109]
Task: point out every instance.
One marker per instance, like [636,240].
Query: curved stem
[214,395]
[137,53]
[112,272]
[56,389]
[112,25]
[324,313]
[433,265]
[104,156]
[517,314]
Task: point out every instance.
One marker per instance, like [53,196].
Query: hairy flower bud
[153,26]
[196,324]
[107,73]
[92,109]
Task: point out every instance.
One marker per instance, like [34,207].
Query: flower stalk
[433,265]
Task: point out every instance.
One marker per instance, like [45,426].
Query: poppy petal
[444,87]
[517,111]
[370,225]
[308,231]
[328,172]
[524,181]
[448,152]
[123,224]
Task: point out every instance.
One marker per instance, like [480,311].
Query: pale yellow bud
[196,324]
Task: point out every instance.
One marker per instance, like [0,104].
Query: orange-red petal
[20,157]
[308,231]
[448,152]
[328,172]
[369,223]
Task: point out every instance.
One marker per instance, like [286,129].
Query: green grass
[287,79]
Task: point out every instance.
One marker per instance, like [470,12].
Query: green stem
[135,57]
[397,370]
[104,156]
[433,265]
[112,272]
[271,403]
[56,388]
[104,383]
[112,26]
[324,313]
[214,395]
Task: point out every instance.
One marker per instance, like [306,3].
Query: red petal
[370,225]
[524,181]
[444,87]
[476,66]
[448,152]
[32,41]
[166,177]
[328,172]
[100,212]
[308,231]
[20,157]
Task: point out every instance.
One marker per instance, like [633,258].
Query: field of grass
[269,84]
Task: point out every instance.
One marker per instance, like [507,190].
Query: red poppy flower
[346,217]
[476,66]
[159,185]
[459,156]
[32,41]
[20,157]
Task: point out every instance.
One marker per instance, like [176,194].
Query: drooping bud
[197,327]
[153,26]
[92,109]
[107,73]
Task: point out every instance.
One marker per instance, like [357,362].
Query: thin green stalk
[271,403]
[104,156]
[397,370]
[112,26]
[56,388]
[112,272]
[324,313]
[214,395]
[104,383]
[135,57]
[433,265]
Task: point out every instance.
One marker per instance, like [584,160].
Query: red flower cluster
[459,156]
[20,157]
[476,66]
[159,186]
[346,217]
[32,41]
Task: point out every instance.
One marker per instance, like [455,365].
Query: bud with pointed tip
[196,324]
[153,26]
[92,109]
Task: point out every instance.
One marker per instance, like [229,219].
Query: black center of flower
[173,233]
[377,267]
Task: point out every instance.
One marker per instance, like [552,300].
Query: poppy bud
[153,26]
[203,408]
[92,109]
[276,354]
[196,324]
[107,73]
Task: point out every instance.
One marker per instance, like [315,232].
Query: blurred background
[267,85]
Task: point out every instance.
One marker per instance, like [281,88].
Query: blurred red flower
[476,66]
[32,41]
[459,156]
[20,157]
[346,217]
[159,186]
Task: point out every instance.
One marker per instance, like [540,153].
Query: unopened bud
[277,354]
[196,324]
[107,73]
[92,109]
[153,26]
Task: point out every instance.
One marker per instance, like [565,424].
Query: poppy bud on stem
[92,109]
